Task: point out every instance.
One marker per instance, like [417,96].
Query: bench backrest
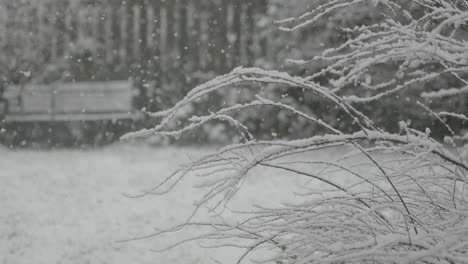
[71,98]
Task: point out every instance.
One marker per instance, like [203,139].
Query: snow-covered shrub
[389,197]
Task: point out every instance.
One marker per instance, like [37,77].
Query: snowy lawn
[69,206]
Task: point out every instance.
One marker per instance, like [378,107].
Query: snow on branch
[243,77]
[455,115]
[446,93]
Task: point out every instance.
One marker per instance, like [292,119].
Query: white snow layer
[70,206]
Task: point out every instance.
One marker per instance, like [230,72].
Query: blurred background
[76,75]
[83,73]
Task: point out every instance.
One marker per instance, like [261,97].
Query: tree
[404,198]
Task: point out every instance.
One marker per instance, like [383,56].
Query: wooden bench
[82,101]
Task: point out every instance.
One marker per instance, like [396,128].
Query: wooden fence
[191,35]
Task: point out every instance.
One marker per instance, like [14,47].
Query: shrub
[392,197]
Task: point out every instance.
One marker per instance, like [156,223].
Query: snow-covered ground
[69,206]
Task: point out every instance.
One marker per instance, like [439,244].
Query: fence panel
[159,34]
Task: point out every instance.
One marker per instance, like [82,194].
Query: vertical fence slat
[68,27]
[194,31]
[250,31]
[60,29]
[150,27]
[80,24]
[163,37]
[154,36]
[108,36]
[41,29]
[243,34]
[203,35]
[24,17]
[136,31]
[171,28]
[123,33]
[94,24]
[54,36]
[3,24]
[237,32]
[230,34]
[222,43]
[182,30]
[34,26]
